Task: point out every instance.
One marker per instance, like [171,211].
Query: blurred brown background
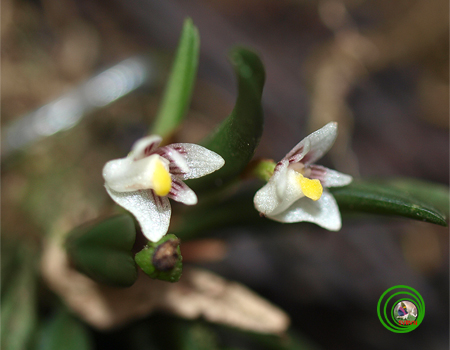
[379,68]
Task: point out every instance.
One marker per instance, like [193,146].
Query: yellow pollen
[162,182]
[311,188]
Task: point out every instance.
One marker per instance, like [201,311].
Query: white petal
[319,143]
[200,160]
[181,192]
[145,146]
[329,177]
[279,193]
[152,212]
[323,212]
[125,174]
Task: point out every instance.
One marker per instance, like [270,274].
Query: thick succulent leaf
[19,305]
[177,95]
[238,136]
[376,198]
[162,260]
[64,331]
[102,250]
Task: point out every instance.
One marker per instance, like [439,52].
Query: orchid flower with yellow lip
[143,182]
[297,189]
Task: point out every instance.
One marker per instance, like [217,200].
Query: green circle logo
[405,306]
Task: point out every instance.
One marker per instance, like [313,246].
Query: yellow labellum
[162,182]
[311,188]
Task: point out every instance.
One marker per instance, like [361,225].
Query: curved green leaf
[102,250]
[377,198]
[238,136]
[178,92]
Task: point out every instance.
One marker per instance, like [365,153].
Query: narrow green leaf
[178,92]
[19,306]
[102,250]
[377,198]
[433,193]
[64,331]
[162,260]
[238,136]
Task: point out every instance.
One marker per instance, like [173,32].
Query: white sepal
[152,212]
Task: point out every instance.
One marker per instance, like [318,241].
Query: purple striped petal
[314,146]
[177,163]
[328,177]
[144,147]
[181,192]
[200,160]
[296,154]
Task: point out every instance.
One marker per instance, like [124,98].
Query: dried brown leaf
[198,294]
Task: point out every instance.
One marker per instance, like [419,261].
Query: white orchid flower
[144,181]
[296,193]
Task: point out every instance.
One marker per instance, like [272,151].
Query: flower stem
[263,169]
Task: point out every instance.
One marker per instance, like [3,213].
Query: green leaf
[433,193]
[66,332]
[178,92]
[238,136]
[162,260]
[9,260]
[196,335]
[102,250]
[372,197]
[19,306]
